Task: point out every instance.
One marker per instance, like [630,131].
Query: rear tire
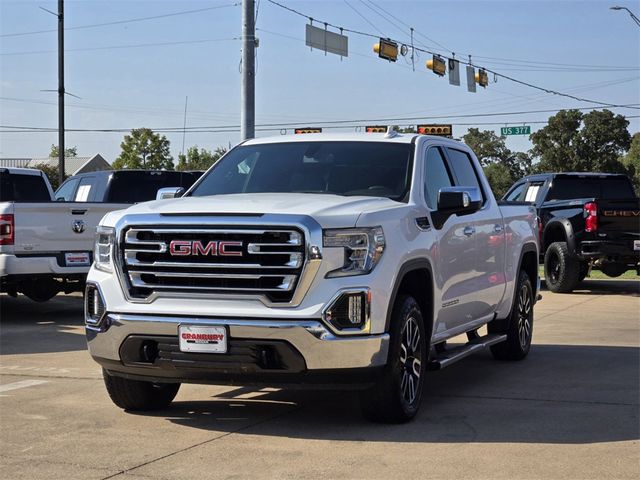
[519,326]
[397,395]
[561,270]
[136,395]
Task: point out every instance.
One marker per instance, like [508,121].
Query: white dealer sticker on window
[202,339]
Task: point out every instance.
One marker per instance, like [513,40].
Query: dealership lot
[570,410]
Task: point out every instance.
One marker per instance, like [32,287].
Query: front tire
[519,327]
[136,395]
[561,269]
[397,395]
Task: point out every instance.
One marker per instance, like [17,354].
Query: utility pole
[248,92]
[61,91]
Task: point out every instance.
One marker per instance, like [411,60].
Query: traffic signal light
[386,49]
[482,78]
[298,131]
[441,130]
[376,129]
[438,65]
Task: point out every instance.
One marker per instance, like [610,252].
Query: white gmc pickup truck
[313,259]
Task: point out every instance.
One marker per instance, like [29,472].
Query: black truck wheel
[561,269]
[519,325]
[397,395]
[137,395]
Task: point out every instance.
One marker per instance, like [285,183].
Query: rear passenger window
[463,170]
[532,192]
[84,190]
[436,176]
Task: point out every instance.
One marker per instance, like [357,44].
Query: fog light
[348,312]
[94,308]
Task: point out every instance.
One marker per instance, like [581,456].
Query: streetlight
[635,19]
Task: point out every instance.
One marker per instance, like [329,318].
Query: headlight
[363,248]
[105,238]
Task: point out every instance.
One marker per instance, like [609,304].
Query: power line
[407,25]
[494,72]
[320,122]
[362,16]
[120,22]
[273,129]
[113,47]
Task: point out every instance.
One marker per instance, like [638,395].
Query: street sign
[522,130]
[328,41]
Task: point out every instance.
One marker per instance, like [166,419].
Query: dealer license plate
[77,259]
[636,245]
[202,339]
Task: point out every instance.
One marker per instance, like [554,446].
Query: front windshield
[341,168]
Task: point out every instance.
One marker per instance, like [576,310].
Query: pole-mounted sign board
[521,130]
[327,41]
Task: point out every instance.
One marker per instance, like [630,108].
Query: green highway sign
[523,130]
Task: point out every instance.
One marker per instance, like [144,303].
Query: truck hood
[328,210]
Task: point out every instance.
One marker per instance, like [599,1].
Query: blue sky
[136,86]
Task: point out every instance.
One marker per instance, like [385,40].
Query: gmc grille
[217,260]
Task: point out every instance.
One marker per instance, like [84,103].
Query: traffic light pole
[248,94]
[61,91]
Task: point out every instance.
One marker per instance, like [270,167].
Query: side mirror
[169,192]
[459,200]
[456,201]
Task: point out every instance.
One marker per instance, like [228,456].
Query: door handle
[78,211]
[469,230]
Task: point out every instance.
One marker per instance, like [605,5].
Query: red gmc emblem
[213,248]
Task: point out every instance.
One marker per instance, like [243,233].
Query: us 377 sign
[522,130]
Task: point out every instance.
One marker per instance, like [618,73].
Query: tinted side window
[515,194]
[85,190]
[436,176]
[65,192]
[463,170]
[23,188]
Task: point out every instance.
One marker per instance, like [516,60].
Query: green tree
[68,152]
[51,171]
[501,166]
[631,161]
[573,141]
[488,147]
[144,149]
[499,177]
[200,159]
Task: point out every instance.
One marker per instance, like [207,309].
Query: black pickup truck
[122,186]
[586,220]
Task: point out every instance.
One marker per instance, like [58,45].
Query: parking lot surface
[570,410]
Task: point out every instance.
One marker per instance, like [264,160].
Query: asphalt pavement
[569,411]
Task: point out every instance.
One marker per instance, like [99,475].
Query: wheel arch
[558,230]
[529,263]
[415,278]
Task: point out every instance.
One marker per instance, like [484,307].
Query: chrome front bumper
[320,348]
